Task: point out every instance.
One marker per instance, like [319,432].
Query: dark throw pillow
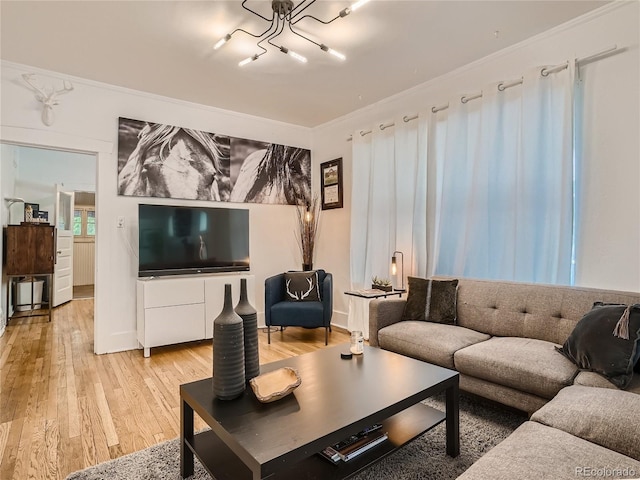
[431,300]
[302,286]
[596,343]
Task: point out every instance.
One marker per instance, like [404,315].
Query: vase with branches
[307,216]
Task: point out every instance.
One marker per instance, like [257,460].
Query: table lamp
[394,269]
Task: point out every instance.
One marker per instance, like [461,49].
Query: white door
[63,271]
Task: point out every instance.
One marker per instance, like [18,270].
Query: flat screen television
[177,240]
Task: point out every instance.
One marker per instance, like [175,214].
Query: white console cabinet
[182,309]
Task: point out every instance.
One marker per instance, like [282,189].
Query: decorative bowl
[275,385]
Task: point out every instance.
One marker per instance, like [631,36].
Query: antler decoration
[48,96]
[306,294]
[292,295]
[300,295]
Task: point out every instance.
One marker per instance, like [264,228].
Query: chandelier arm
[317,19]
[300,35]
[295,13]
[256,13]
[275,32]
[249,33]
[264,50]
[274,35]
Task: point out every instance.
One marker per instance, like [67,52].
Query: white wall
[608,250]
[8,167]
[87,121]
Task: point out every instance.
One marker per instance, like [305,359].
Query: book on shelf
[354,445]
[354,438]
[330,454]
[362,445]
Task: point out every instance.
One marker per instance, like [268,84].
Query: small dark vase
[307,267]
[250,322]
[228,351]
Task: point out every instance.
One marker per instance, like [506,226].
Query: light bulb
[222,41]
[337,54]
[358,4]
[297,56]
[293,54]
[248,60]
[394,269]
[333,52]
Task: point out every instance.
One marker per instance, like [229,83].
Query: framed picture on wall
[331,184]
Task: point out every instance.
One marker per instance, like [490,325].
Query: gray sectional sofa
[503,346]
[583,432]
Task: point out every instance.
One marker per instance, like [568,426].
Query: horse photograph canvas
[159,160]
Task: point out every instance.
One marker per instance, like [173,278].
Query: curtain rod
[546,71]
[382,126]
[502,86]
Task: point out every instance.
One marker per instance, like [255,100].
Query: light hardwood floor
[64,408]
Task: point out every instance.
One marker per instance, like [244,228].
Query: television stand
[182,309]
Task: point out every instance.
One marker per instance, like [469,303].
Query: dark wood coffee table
[337,398]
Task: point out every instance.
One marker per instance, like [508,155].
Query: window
[84,223]
[505,192]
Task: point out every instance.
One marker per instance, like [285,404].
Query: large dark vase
[228,351]
[250,322]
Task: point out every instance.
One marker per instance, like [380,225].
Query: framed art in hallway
[31,211]
[331,184]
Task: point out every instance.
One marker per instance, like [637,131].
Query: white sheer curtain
[506,193]
[388,209]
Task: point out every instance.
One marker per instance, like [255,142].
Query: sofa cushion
[298,314]
[593,346]
[302,286]
[603,416]
[535,451]
[525,364]
[593,379]
[430,342]
[524,401]
[431,300]
[544,312]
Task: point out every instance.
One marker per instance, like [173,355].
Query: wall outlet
[120,222]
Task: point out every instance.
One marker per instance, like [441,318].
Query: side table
[359,307]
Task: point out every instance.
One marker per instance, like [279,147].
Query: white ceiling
[165,47]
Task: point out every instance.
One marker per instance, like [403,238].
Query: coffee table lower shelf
[223,464]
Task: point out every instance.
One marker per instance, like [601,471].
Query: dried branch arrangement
[308,216]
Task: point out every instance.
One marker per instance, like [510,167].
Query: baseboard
[121,342]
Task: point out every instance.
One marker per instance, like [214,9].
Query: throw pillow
[598,342]
[302,286]
[431,300]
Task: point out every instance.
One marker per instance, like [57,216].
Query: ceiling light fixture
[286,15]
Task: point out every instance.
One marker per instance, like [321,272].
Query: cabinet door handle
[59,252]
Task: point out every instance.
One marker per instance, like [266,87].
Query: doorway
[41,178]
[102,152]
[84,251]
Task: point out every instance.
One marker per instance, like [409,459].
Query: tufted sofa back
[544,312]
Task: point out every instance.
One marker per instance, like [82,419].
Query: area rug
[482,426]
